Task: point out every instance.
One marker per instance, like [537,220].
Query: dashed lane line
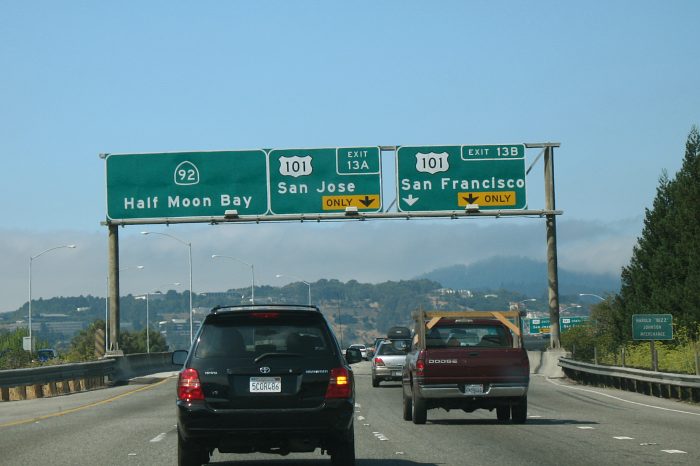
[158,437]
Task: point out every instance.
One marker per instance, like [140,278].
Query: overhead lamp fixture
[471,208]
[351,211]
[233,213]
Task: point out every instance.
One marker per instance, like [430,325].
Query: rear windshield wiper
[264,355]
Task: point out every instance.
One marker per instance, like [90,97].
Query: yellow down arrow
[486,198]
[362,201]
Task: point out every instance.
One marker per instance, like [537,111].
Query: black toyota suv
[265,378]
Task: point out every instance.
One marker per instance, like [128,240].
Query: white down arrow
[410,200]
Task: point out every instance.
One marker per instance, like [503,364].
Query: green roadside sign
[538,326]
[566,323]
[446,178]
[186,184]
[652,327]
[318,181]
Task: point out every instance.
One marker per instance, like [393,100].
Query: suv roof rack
[268,307]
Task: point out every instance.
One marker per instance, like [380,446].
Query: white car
[363,350]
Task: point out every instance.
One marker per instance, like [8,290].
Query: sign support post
[113,274]
[552,268]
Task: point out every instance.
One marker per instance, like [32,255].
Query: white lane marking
[158,438]
[622,399]
[624,438]
[360,418]
[534,417]
[380,436]
[585,427]
[358,405]
[675,451]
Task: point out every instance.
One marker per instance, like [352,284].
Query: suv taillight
[340,385]
[378,361]
[188,386]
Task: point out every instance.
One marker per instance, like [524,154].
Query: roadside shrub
[675,356]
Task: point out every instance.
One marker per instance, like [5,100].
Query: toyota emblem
[265,370]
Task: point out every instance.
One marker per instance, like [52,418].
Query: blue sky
[616,83]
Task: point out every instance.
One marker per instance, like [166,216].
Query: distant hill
[521,275]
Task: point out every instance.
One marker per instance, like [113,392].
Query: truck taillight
[420,368]
[378,362]
[189,387]
[340,385]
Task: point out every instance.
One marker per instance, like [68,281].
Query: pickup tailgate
[475,366]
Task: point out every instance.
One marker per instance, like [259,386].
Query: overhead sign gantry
[259,185]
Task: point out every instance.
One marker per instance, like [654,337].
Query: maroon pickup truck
[466,360]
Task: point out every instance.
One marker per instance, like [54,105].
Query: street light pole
[591,294]
[148,323]
[529,300]
[189,246]
[279,275]
[148,340]
[252,273]
[573,306]
[31,259]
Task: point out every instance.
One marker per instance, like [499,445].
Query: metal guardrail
[661,384]
[37,382]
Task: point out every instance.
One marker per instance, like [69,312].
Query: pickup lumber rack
[511,319]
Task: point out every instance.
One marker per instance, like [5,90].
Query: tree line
[663,275]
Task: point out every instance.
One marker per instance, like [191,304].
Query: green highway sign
[444,178]
[316,181]
[542,325]
[652,327]
[537,326]
[566,323]
[186,184]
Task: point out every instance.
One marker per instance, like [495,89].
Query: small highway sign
[186,184]
[652,327]
[445,178]
[314,181]
[538,326]
[566,323]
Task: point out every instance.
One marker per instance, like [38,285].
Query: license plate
[265,384]
[474,389]
[396,373]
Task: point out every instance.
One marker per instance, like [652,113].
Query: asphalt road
[567,424]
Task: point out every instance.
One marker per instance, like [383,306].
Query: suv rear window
[255,334]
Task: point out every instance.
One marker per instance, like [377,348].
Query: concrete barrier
[62,379]
[546,362]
